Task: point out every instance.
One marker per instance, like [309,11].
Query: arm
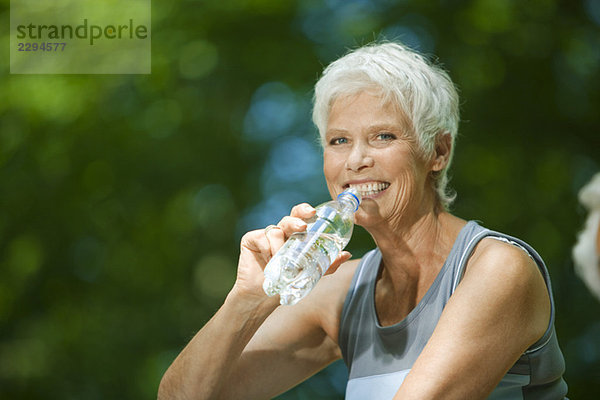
[197,373]
[251,348]
[500,308]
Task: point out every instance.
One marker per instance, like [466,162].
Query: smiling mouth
[368,189]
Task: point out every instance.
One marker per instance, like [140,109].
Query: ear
[443,149]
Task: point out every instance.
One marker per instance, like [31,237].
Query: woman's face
[370,146]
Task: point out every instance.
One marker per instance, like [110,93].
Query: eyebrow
[386,127]
[331,132]
[372,128]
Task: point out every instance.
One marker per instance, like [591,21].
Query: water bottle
[303,259]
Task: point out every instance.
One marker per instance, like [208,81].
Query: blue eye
[386,136]
[339,140]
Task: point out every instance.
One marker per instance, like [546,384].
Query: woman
[442,308]
[586,252]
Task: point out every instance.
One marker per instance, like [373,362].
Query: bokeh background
[123,197]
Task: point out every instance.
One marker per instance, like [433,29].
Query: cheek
[405,190]
[332,165]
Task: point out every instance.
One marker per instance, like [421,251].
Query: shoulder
[502,259]
[503,277]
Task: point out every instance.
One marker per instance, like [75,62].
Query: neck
[415,250]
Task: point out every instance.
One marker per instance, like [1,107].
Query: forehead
[363,109]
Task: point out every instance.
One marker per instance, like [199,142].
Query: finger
[276,238]
[341,258]
[290,225]
[303,211]
[256,242]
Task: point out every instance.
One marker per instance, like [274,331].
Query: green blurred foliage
[123,198]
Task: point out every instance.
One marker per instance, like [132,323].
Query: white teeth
[371,188]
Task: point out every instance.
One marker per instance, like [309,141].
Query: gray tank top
[379,358]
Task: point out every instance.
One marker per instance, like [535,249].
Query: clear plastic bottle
[303,259]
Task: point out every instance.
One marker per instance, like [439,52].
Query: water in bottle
[303,259]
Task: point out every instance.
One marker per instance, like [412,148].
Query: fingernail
[309,208]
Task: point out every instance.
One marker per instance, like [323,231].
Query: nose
[359,158]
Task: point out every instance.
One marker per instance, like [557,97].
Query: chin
[367,215]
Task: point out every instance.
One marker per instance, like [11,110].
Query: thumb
[341,258]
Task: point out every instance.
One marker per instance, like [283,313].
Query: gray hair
[404,78]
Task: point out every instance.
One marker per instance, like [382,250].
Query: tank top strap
[365,273]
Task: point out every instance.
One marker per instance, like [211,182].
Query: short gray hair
[404,78]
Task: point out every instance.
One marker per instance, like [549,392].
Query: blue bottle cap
[354,193]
